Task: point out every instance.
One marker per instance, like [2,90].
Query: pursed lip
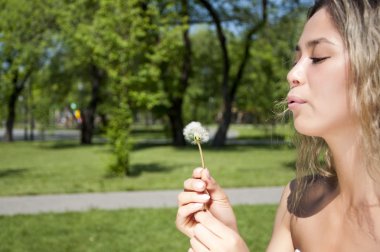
[294,101]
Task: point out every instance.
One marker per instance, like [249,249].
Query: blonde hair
[358,22]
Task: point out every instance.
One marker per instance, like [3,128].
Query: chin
[307,131]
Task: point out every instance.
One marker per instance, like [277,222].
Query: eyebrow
[314,42]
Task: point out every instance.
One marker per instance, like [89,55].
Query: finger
[185,218]
[187,210]
[197,172]
[213,188]
[190,250]
[197,246]
[211,223]
[185,198]
[206,237]
[196,185]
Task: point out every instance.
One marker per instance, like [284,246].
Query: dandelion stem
[201,153]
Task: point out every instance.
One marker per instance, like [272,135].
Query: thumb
[215,191]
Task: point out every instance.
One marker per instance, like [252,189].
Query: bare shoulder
[281,237]
[318,193]
[320,214]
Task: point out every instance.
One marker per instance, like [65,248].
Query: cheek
[328,97]
[329,85]
[331,98]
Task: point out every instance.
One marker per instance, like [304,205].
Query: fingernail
[197,205]
[198,170]
[204,197]
[199,185]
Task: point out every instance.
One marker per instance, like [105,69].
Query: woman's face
[318,95]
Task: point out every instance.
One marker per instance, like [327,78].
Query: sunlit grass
[137,230]
[48,167]
[40,168]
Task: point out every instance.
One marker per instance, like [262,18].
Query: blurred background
[95,94]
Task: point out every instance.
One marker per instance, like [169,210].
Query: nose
[296,76]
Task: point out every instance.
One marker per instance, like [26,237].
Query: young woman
[334,204]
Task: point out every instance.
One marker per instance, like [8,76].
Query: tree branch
[247,46]
[223,45]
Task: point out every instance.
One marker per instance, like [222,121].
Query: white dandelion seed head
[195,133]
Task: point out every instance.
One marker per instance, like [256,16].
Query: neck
[356,185]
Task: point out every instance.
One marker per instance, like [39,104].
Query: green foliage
[26,33]
[120,38]
[265,82]
[143,63]
[202,100]
[139,45]
[119,137]
[264,78]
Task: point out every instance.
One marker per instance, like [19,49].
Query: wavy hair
[358,22]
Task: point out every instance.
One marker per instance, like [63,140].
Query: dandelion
[196,134]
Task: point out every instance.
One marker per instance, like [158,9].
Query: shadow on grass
[238,147]
[67,145]
[234,145]
[274,137]
[290,165]
[147,145]
[138,169]
[245,147]
[12,172]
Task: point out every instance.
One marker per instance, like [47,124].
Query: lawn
[67,167]
[137,230]
[267,132]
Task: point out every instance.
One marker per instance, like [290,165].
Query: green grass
[48,167]
[245,131]
[138,230]
[66,167]
[259,132]
[142,132]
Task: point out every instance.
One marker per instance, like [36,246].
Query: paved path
[121,200]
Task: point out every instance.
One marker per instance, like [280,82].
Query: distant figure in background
[334,204]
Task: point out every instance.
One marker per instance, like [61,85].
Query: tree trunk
[221,133]
[175,110]
[31,113]
[11,117]
[25,107]
[228,92]
[176,122]
[18,86]
[88,114]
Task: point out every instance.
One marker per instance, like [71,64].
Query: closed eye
[316,60]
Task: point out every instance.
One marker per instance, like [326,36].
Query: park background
[94,96]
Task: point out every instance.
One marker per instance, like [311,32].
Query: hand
[212,235]
[201,190]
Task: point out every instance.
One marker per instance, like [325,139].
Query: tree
[176,101]
[78,23]
[229,91]
[264,83]
[173,56]
[202,98]
[252,19]
[25,33]
[124,42]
